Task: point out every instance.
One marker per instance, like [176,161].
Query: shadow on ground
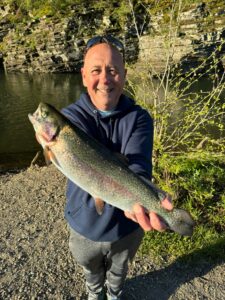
[162,283]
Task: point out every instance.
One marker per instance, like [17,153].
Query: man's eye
[44,114]
[112,71]
[95,71]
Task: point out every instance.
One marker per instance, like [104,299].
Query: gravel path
[35,262]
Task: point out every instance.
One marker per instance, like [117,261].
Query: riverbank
[36,262]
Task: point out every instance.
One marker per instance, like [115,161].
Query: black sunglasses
[108,39]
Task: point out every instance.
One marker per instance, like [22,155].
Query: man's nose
[105,76]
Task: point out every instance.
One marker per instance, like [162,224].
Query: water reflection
[20,95]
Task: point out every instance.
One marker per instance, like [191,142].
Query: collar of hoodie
[125,103]
[99,115]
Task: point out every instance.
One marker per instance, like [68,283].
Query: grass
[196,183]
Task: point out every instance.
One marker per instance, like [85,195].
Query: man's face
[103,75]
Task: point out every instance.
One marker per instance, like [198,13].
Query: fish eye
[44,114]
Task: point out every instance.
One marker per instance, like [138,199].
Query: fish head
[47,122]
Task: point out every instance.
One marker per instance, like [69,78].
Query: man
[104,244]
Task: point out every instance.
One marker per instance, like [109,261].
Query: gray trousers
[104,262]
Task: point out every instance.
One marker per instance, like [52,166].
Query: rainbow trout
[97,170]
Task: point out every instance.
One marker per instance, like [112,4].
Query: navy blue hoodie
[127,130]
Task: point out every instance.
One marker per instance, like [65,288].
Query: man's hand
[151,221]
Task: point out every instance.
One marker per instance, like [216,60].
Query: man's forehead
[100,65]
[102,51]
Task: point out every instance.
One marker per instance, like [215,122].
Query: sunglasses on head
[108,39]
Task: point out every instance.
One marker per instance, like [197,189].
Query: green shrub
[196,183]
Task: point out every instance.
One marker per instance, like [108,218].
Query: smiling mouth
[105,91]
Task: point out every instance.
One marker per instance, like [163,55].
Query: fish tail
[182,222]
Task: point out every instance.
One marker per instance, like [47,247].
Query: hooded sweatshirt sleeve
[140,144]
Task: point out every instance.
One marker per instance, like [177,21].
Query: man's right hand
[150,221]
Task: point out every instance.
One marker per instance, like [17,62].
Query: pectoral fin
[50,157]
[99,204]
[47,155]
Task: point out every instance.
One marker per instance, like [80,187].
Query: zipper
[110,129]
[96,114]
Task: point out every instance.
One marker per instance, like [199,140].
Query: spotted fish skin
[97,170]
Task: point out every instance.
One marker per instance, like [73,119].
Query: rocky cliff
[51,44]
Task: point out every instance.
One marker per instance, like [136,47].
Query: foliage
[189,144]
[196,183]
[185,120]
[39,8]
[198,179]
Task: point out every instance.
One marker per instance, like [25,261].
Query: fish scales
[98,171]
[92,176]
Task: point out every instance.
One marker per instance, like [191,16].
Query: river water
[20,94]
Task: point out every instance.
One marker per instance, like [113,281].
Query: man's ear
[83,76]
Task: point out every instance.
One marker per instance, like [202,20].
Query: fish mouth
[34,117]
[34,120]
[31,118]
